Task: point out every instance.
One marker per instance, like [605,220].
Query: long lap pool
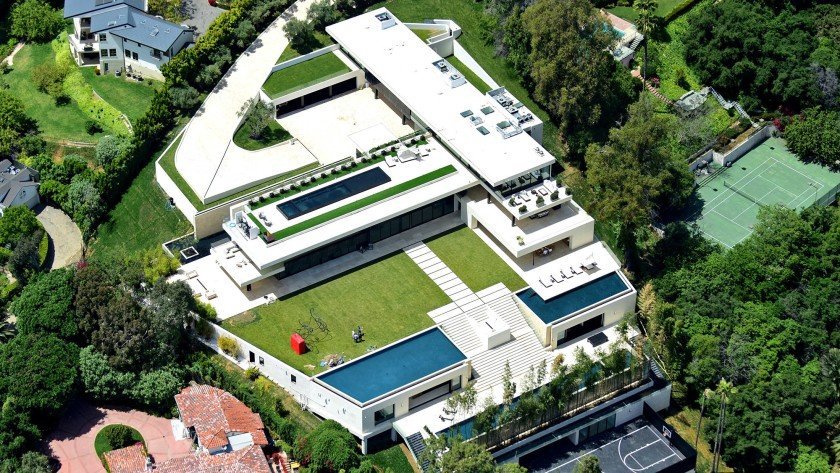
[566,304]
[394,366]
[332,193]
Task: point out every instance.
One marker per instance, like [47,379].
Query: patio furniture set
[560,275]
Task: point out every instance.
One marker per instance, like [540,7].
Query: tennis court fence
[689,460]
[828,198]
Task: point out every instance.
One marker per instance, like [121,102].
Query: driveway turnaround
[207,158]
[72,441]
[65,237]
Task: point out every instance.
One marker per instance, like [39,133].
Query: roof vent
[385,20]
[155,31]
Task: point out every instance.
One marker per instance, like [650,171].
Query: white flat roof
[404,64]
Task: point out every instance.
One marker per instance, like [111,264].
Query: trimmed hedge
[681,8]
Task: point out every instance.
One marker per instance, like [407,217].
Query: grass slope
[663,7]
[393,458]
[304,74]
[389,298]
[473,261]
[66,122]
[321,40]
[140,221]
[129,97]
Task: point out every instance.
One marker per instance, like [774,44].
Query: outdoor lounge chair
[547,282]
[558,277]
[573,270]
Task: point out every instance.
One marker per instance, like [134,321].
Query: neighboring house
[629,38]
[133,459]
[18,185]
[119,36]
[218,421]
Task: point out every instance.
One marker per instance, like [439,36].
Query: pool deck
[571,302]
[394,366]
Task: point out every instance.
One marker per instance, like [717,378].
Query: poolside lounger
[526,197]
[210,295]
[546,281]
[558,277]
[543,191]
[564,274]
[192,274]
[573,270]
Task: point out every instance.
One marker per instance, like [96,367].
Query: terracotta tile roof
[247,460]
[617,22]
[215,413]
[127,460]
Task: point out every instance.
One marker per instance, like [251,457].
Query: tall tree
[633,172]
[45,306]
[646,20]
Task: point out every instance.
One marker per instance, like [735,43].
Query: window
[456,384]
[156,53]
[386,413]
[128,54]
[596,428]
[102,37]
[104,53]
[262,361]
[113,52]
[134,56]
[294,378]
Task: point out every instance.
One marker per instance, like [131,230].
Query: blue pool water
[330,194]
[394,366]
[570,302]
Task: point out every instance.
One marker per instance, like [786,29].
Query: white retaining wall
[746,146]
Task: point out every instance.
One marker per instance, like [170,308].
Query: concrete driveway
[72,441]
[200,14]
[65,237]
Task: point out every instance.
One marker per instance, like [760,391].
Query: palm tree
[724,390]
[645,22]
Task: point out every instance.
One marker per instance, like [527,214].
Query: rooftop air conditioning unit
[493,331]
[385,20]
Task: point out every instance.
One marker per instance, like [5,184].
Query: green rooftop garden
[304,74]
[320,40]
[426,33]
[367,296]
[473,261]
[355,205]
[275,134]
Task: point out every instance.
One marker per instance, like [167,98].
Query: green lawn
[468,15]
[102,446]
[358,204]
[628,13]
[321,40]
[471,76]
[140,221]
[167,162]
[274,135]
[473,261]
[130,97]
[304,74]
[389,298]
[393,458]
[66,122]
[426,33]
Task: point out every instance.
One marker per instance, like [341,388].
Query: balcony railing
[608,388]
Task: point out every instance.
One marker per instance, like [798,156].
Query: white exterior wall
[147,64]
[613,312]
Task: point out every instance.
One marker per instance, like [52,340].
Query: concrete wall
[613,312]
[743,148]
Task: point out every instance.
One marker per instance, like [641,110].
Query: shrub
[555,195]
[204,329]
[252,373]
[16,223]
[301,35]
[540,200]
[523,209]
[110,148]
[49,79]
[322,14]
[229,345]
[35,20]
[119,436]
[205,310]
[92,127]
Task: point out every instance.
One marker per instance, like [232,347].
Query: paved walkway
[441,275]
[10,59]
[72,441]
[65,237]
[207,158]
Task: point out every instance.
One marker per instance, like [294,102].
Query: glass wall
[370,235]
[524,181]
[596,428]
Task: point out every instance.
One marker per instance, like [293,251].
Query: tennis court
[767,175]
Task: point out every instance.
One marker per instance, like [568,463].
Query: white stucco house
[119,36]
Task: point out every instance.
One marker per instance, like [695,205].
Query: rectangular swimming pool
[556,308]
[394,366]
[332,193]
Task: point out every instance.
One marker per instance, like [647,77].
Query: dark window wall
[576,331]
[372,234]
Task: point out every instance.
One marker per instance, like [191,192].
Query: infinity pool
[394,366]
[332,193]
[556,308]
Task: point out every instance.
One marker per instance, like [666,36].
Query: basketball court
[766,175]
[635,447]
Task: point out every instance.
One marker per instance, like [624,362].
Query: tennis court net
[742,194]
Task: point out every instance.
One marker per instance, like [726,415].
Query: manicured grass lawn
[274,135]
[141,220]
[393,458]
[628,13]
[102,446]
[321,40]
[66,122]
[389,299]
[473,261]
[468,14]
[167,161]
[471,76]
[359,204]
[130,97]
[304,74]
[426,33]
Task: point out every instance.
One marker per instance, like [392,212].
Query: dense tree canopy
[45,306]
[36,20]
[16,223]
[759,52]
[329,448]
[763,315]
[815,136]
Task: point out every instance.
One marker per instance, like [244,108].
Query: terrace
[367,296]
[304,74]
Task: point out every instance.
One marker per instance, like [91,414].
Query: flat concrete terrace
[405,65]
[394,366]
[207,158]
[266,256]
[305,74]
